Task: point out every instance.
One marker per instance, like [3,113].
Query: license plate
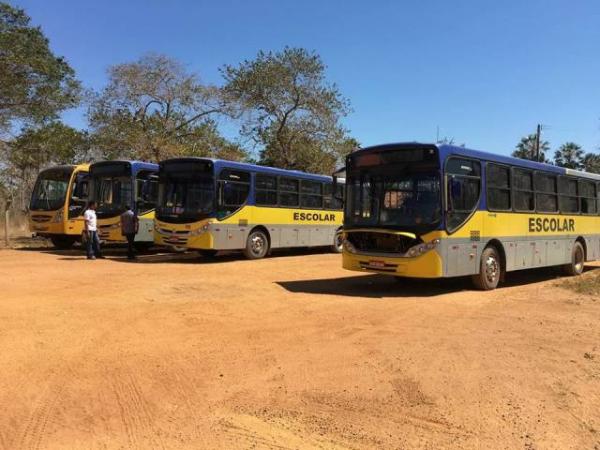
[377,264]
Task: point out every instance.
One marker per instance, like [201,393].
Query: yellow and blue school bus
[118,184]
[57,203]
[430,211]
[211,205]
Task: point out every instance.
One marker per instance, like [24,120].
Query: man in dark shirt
[129,228]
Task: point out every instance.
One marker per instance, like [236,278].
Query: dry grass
[587,284]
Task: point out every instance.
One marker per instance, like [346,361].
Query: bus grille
[370,242]
[41,219]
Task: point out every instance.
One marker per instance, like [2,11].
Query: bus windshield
[186,193]
[112,186]
[50,189]
[405,200]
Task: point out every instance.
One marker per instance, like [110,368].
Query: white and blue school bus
[431,211]
[118,184]
[211,205]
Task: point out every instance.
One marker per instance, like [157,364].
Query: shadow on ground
[380,286]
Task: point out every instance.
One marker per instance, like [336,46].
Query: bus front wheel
[257,245]
[338,242]
[577,260]
[490,270]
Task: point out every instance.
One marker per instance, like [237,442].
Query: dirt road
[288,352]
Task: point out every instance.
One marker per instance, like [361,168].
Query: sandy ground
[288,352]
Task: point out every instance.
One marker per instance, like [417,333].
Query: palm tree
[569,155]
[525,149]
[591,163]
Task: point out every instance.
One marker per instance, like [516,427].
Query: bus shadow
[375,286]
[381,286]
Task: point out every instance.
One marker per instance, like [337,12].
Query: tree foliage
[39,147]
[152,109]
[525,149]
[34,83]
[289,110]
[591,163]
[569,155]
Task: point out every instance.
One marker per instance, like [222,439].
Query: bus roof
[446,150]
[223,163]
[136,166]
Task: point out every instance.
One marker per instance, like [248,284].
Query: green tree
[569,155]
[35,85]
[525,149]
[591,163]
[38,147]
[289,110]
[152,109]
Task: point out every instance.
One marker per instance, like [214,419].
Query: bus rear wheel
[490,270]
[257,245]
[577,260]
[62,242]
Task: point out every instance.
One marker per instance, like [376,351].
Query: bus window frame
[219,182]
[581,197]
[446,193]
[509,189]
[555,193]
[577,194]
[515,191]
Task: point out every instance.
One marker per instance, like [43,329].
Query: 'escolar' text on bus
[314,217]
[547,224]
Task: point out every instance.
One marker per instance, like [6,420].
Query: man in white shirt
[91,230]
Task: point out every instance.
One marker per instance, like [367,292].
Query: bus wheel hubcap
[257,244]
[491,269]
[578,260]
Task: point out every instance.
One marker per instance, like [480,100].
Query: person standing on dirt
[91,232]
[129,228]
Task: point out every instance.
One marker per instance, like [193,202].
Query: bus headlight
[348,246]
[58,217]
[422,248]
[199,231]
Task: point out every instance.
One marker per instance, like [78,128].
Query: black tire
[575,267]
[257,245]
[338,242]
[208,253]
[62,242]
[490,270]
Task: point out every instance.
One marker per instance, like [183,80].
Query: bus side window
[587,192]
[233,190]
[288,192]
[311,194]
[567,198]
[462,190]
[523,194]
[265,190]
[498,187]
[546,197]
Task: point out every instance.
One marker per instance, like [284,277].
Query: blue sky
[485,72]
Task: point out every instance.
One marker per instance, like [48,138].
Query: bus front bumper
[194,236]
[427,265]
